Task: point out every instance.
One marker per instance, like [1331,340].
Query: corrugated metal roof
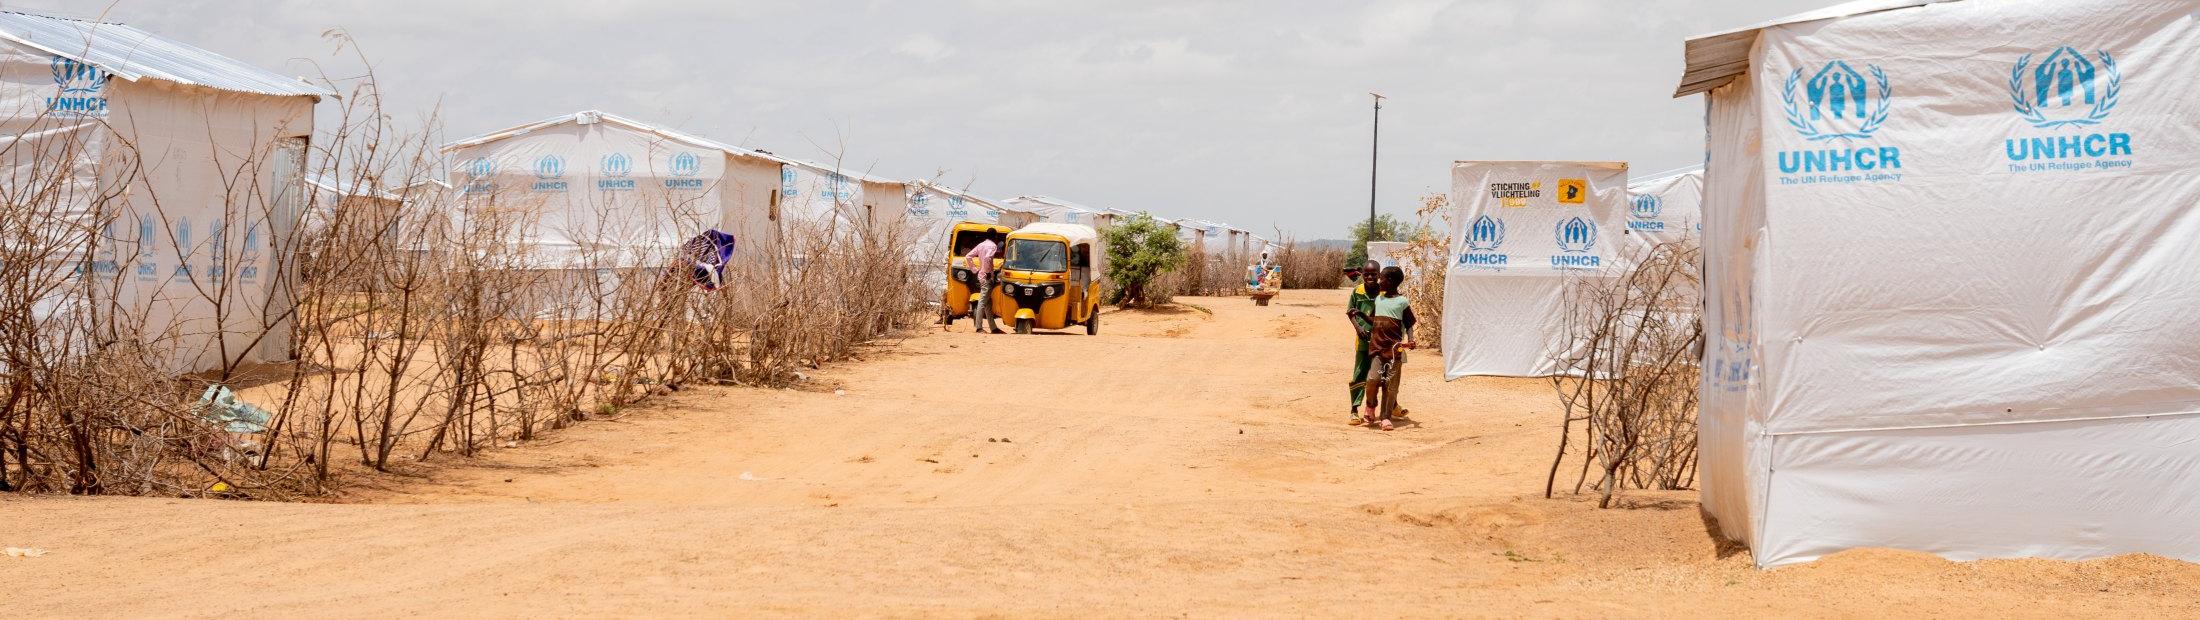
[1714,59]
[132,54]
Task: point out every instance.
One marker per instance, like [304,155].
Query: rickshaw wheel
[1092,325]
[1023,326]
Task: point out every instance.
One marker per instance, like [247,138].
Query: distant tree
[1140,249]
[1387,228]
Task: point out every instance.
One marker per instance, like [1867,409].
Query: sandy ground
[1182,463]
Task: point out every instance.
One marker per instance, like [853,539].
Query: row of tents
[1950,256]
[604,180]
[192,165]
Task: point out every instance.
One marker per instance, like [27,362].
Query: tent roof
[1204,224]
[836,169]
[132,54]
[1050,201]
[1074,232]
[591,117]
[1660,176]
[1714,59]
[343,187]
[966,196]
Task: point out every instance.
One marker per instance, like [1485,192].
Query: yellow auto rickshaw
[962,281]
[1047,279]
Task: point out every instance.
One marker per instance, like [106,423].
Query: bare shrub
[825,289]
[422,319]
[89,352]
[1629,352]
[1425,260]
[1308,266]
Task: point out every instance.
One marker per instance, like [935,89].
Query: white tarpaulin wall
[813,192]
[1386,253]
[933,210]
[1952,260]
[1519,231]
[1665,209]
[193,256]
[596,195]
[605,197]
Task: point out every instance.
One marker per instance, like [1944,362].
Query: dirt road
[1185,462]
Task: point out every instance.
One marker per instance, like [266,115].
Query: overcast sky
[1254,113]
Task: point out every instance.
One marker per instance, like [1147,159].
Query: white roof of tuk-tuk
[1075,233]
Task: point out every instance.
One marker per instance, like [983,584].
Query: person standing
[980,262]
[1388,339]
[1358,309]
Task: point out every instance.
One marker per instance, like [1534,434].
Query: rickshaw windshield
[1038,255]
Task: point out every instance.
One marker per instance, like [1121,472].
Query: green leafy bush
[1139,250]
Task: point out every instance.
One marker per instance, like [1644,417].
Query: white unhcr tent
[1951,269]
[1520,230]
[1665,208]
[812,191]
[1386,253]
[603,185]
[600,194]
[934,209]
[1056,210]
[214,151]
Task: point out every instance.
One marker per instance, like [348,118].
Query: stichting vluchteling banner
[1520,230]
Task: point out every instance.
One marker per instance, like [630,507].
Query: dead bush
[421,319]
[1425,260]
[1629,352]
[1307,266]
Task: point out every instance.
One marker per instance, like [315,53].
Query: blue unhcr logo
[1484,236]
[479,173]
[2066,89]
[549,174]
[611,173]
[1837,102]
[83,88]
[250,270]
[182,232]
[1840,98]
[1643,212]
[2067,80]
[920,204]
[148,268]
[1576,238]
[684,165]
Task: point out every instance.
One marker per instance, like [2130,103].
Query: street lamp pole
[1374,161]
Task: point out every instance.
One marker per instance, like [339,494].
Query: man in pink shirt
[980,261]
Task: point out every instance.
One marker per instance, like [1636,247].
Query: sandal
[1356,419]
[1369,417]
[1385,424]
